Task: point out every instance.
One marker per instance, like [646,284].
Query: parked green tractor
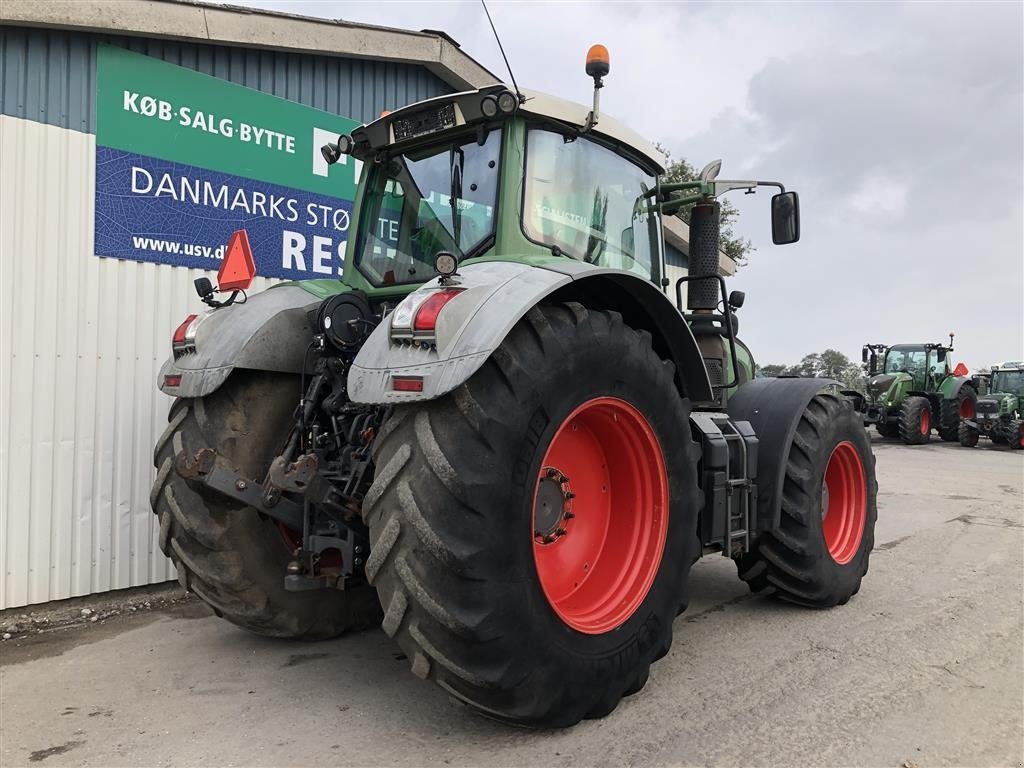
[999,412]
[504,435]
[916,390]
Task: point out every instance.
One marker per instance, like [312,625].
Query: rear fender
[951,386]
[268,332]
[497,295]
[774,407]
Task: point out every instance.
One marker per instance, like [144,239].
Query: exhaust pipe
[705,221]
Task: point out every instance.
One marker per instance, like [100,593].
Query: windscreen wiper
[456,191]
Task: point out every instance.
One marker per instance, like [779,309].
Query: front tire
[819,554]
[967,436]
[1015,434]
[915,420]
[229,555]
[885,429]
[468,522]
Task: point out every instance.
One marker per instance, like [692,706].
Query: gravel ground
[922,668]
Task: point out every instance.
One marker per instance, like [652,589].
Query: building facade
[86,311]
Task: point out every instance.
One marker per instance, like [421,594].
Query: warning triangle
[238,269]
[960,370]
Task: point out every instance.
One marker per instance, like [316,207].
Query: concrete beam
[230,25]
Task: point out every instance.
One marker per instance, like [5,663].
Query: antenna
[502,49]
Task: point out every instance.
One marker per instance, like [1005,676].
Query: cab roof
[546,105]
[379,133]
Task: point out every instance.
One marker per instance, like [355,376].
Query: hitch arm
[211,470]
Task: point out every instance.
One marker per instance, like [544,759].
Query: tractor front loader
[915,391]
[504,434]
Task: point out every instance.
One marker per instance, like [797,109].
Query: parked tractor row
[912,390]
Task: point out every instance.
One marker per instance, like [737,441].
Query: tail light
[426,315]
[183,340]
[417,314]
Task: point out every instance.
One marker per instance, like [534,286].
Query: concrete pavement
[922,668]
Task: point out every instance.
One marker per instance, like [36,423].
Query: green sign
[149,107]
[184,159]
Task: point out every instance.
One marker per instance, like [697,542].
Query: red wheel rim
[966,409]
[844,503]
[926,422]
[600,515]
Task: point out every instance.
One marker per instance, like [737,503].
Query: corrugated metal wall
[81,337]
[50,76]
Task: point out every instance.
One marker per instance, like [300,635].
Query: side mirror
[941,355]
[736,299]
[864,355]
[874,364]
[785,218]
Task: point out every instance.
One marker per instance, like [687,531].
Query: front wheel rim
[844,502]
[926,422]
[600,515]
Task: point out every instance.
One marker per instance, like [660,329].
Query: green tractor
[503,434]
[915,390]
[999,412]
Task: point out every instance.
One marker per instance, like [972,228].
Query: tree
[830,364]
[735,247]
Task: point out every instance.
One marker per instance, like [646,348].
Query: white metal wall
[82,339]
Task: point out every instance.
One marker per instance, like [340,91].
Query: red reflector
[179,332]
[426,315]
[407,383]
[238,269]
[960,370]
[172,381]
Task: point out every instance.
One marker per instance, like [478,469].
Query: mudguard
[269,332]
[774,407]
[497,295]
[951,386]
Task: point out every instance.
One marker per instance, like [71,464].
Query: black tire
[950,410]
[912,413]
[885,429]
[1014,436]
[229,555]
[793,562]
[997,437]
[450,517]
[967,436]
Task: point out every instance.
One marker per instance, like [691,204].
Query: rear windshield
[408,212]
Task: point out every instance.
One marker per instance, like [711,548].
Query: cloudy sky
[901,126]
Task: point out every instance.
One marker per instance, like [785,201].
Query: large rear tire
[915,420]
[955,410]
[819,554]
[532,531]
[227,554]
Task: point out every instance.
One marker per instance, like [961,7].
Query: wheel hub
[552,506]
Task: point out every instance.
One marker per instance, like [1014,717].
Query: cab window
[589,202]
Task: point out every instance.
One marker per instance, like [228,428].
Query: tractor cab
[926,364]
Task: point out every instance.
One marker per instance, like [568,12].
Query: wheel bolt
[568,516]
[241,485]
